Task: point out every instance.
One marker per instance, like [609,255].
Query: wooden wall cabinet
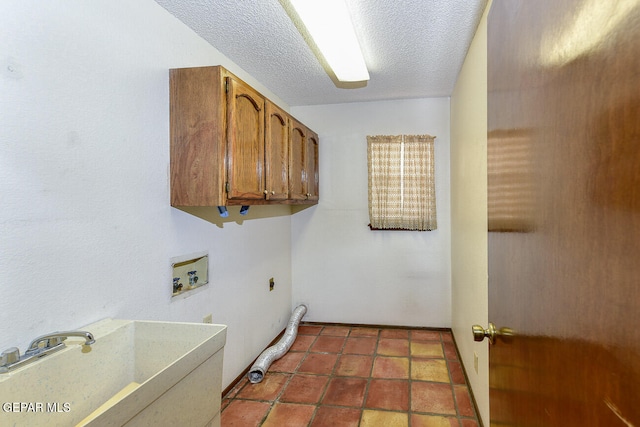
[232,146]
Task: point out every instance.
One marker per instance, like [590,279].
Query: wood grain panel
[276,152]
[197,128]
[311,169]
[245,141]
[565,74]
[297,163]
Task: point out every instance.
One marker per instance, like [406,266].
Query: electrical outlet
[271,284]
[475,361]
[208,318]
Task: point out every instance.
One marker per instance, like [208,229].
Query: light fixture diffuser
[328,22]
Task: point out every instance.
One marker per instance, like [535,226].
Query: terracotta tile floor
[341,376]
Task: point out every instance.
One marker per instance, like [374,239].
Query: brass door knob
[479,333]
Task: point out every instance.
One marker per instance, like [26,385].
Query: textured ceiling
[413,48]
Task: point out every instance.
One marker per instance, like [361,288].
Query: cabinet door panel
[245,142]
[297,164]
[311,169]
[276,153]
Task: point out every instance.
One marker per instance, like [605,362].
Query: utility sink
[136,373]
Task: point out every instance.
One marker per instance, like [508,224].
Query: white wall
[469,213]
[87,230]
[341,269]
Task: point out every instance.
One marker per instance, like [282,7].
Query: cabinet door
[245,142]
[276,153]
[297,163]
[311,169]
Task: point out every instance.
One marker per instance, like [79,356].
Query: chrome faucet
[39,347]
[55,339]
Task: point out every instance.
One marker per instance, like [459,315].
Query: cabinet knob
[273,192]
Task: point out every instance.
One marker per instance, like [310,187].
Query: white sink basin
[136,373]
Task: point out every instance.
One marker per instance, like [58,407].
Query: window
[401,184]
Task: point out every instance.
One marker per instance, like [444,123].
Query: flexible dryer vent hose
[276,351]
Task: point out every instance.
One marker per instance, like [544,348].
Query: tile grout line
[319,402]
[331,376]
[410,382]
[453,394]
[451,383]
[370,377]
[295,370]
[458,360]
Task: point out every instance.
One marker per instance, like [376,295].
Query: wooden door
[245,142]
[312,187]
[564,212]
[276,153]
[297,162]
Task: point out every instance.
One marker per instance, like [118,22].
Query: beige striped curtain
[401,182]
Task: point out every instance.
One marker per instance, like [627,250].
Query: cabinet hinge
[226,85]
[227,187]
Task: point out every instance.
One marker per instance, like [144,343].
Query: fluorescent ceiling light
[329,24]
